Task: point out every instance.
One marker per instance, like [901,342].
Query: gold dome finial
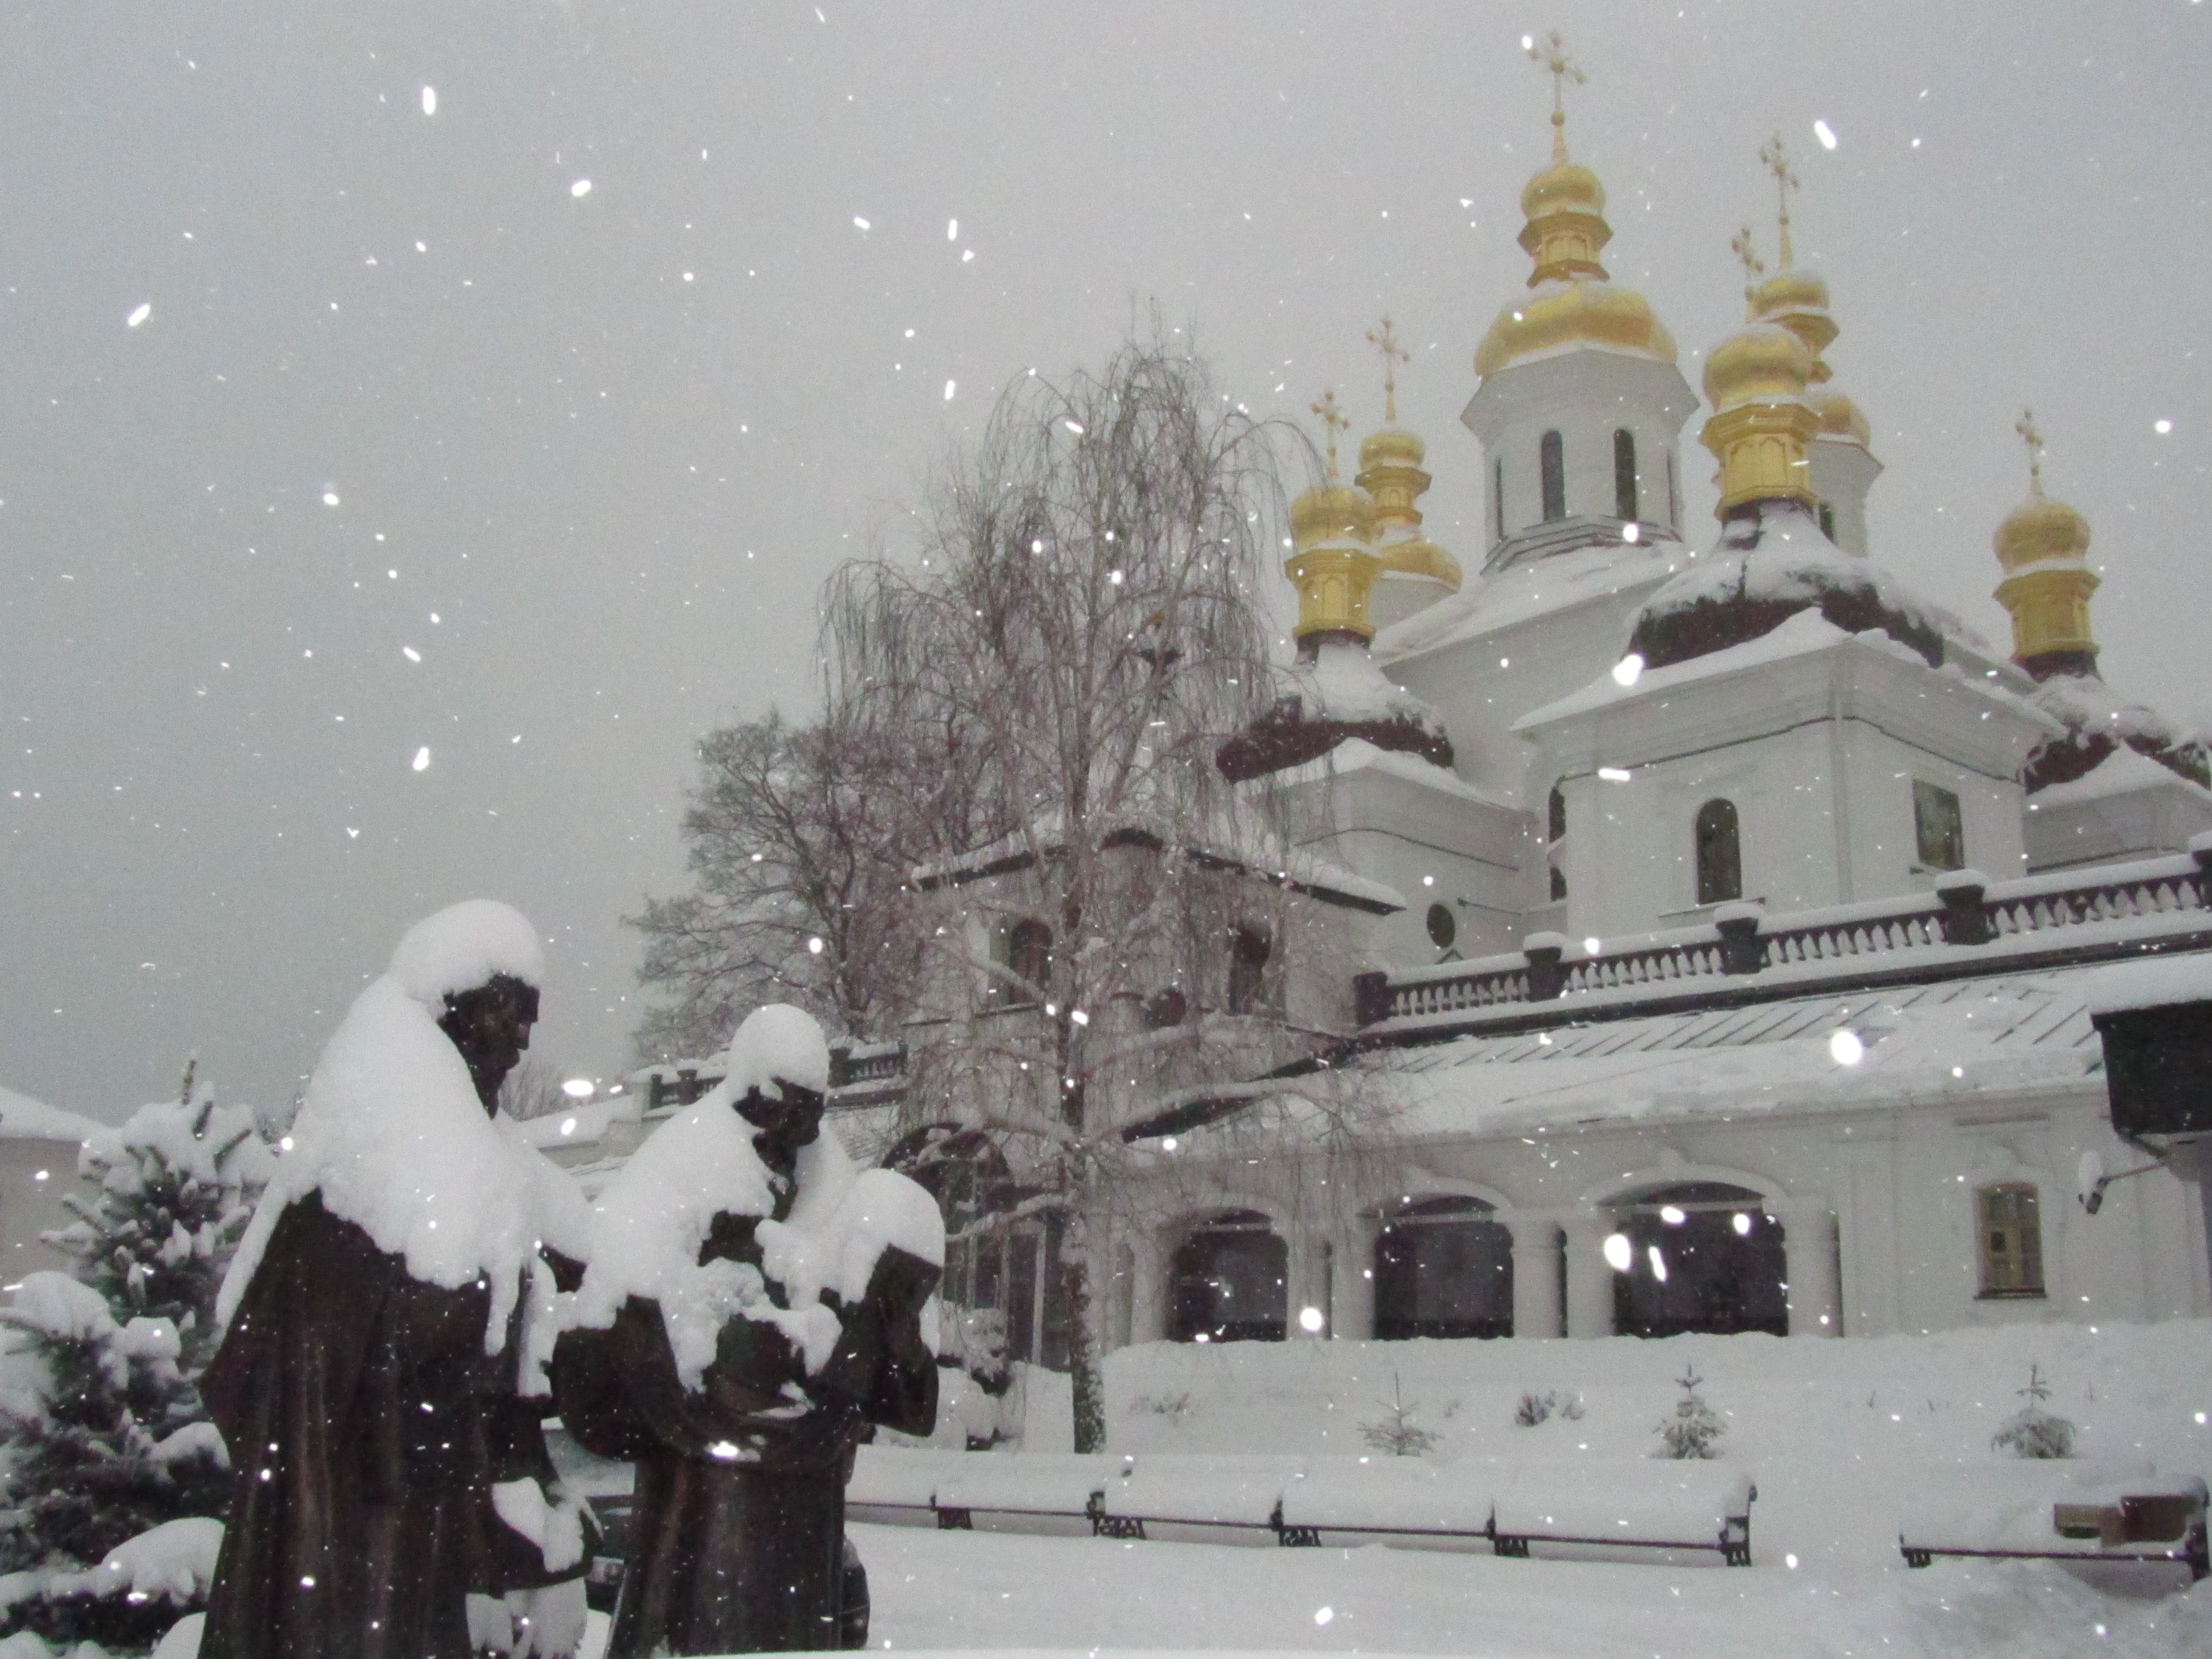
[2044,547]
[1776,159]
[1550,54]
[1761,423]
[1335,422]
[1753,266]
[1333,563]
[1393,354]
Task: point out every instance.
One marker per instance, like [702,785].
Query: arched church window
[2011,1240]
[1828,521]
[1552,461]
[1673,494]
[1444,1267]
[1720,853]
[1230,1282]
[1498,498]
[1701,1256]
[1625,503]
[1249,949]
[1555,835]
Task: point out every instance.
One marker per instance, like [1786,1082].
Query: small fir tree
[1398,1433]
[104,1431]
[1693,1428]
[2033,1431]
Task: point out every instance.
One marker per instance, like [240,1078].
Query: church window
[1552,457]
[1720,853]
[1828,521]
[1938,828]
[1703,1257]
[1025,950]
[1443,1268]
[2012,1240]
[1498,499]
[1443,927]
[1625,503]
[1249,949]
[1674,494]
[1229,1281]
[1555,836]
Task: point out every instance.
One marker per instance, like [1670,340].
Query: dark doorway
[1442,1268]
[1702,1257]
[1229,1282]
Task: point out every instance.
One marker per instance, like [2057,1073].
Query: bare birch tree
[1081,630]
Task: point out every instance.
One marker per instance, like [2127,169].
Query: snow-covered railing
[1966,910]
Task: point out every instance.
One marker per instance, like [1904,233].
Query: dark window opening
[1703,1257]
[1673,496]
[1939,828]
[1025,951]
[1555,839]
[1827,521]
[1249,949]
[1625,503]
[1720,853]
[1498,499]
[2012,1240]
[1230,1282]
[1443,1268]
[1552,457]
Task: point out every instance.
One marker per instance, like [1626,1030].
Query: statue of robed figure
[754,1306]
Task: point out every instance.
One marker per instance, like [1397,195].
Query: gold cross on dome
[1776,159]
[1753,266]
[1550,54]
[1384,341]
[1335,421]
[2032,437]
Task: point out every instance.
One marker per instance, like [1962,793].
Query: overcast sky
[318,356]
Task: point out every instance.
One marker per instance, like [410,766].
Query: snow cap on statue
[463,946]
[779,1043]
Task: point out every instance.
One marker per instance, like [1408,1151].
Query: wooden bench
[1063,1487]
[1226,1491]
[898,1484]
[1627,1503]
[2060,1510]
[1404,1497]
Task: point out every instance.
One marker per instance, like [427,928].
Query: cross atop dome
[1385,341]
[1776,158]
[1550,54]
[1335,421]
[1747,256]
[2031,436]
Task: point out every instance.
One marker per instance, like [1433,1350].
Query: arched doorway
[1442,1268]
[1229,1281]
[1703,1256]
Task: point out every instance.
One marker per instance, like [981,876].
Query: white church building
[1733,918]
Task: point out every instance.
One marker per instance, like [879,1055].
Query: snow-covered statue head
[779,1078]
[476,966]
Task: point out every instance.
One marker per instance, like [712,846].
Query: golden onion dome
[2040,530]
[1765,363]
[1787,291]
[1417,555]
[1391,446]
[1840,417]
[1332,512]
[1563,187]
[1574,313]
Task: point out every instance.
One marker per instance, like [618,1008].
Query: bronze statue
[743,1447]
[370,1383]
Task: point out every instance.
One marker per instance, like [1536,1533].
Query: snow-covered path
[948,1590]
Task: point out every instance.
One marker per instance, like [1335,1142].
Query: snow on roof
[1523,592]
[2086,703]
[462,946]
[2154,983]
[1358,755]
[22,1118]
[1343,684]
[2122,772]
[1958,1038]
[1802,634]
